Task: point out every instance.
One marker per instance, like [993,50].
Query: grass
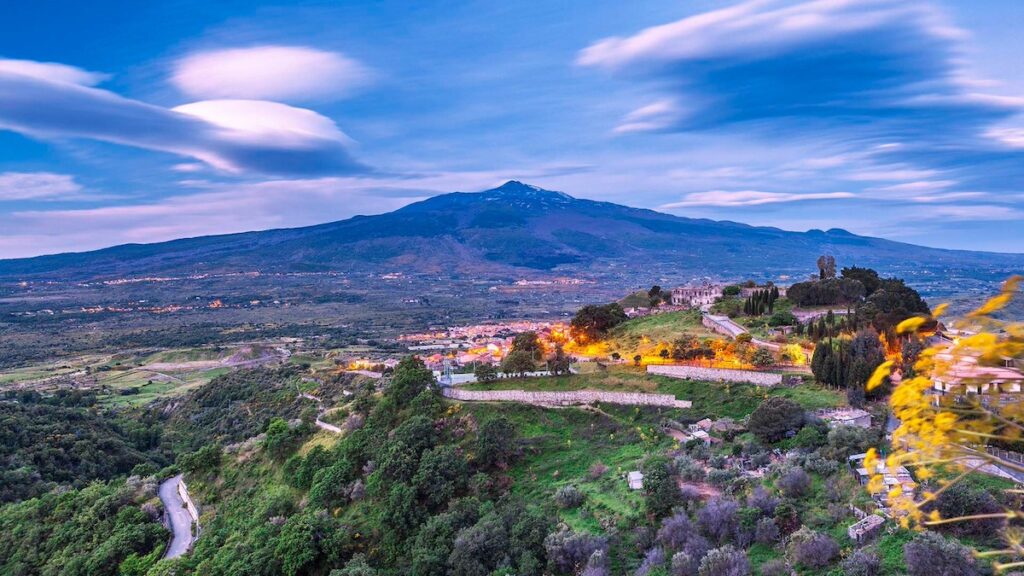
[561,446]
[710,399]
[631,335]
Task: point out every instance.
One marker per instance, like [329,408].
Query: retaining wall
[193,511]
[567,398]
[716,374]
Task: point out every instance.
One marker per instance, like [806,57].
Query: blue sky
[143,121]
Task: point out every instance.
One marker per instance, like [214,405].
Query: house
[704,294]
[635,479]
[705,425]
[866,528]
[891,477]
[846,417]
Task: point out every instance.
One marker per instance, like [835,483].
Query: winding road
[178,518]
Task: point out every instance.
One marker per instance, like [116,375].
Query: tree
[592,322]
[410,378]
[559,362]
[280,439]
[774,418]
[826,267]
[866,276]
[496,443]
[661,493]
[518,362]
[485,372]
[528,342]
[929,554]
[763,357]
[441,475]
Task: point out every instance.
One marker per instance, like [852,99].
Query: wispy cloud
[231,135]
[38,186]
[285,73]
[749,198]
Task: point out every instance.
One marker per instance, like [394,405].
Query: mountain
[515,228]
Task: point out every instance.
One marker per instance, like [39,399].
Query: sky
[125,121]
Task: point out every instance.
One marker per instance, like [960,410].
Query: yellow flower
[880,374]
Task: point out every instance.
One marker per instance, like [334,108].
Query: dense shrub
[725,561]
[719,519]
[776,567]
[793,483]
[812,549]
[760,498]
[675,531]
[568,551]
[767,531]
[569,497]
[774,418]
[929,554]
[653,560]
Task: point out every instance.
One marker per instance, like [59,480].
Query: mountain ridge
[515,226]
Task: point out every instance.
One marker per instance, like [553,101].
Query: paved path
[177,516]
[728,327]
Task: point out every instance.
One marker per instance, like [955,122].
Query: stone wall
[567,398]
[193,510]
[717,374]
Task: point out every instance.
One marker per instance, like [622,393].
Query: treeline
[761,302]
[881,303]
[849,364]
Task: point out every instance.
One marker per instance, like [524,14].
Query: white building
[635,479]
[696,296]
[846,417]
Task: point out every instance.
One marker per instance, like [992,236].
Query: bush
[793,483]
[812,549]
[929,554]
[760,498]
[725,561]
[496,443]
[654,560]
[809,437]
[776,567]
[721,478]
[774,418]
[862,563]
[569,497]
[675,531]
[719,519]
[961,500]
[767,531]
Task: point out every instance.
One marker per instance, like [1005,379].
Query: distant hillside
[513,227]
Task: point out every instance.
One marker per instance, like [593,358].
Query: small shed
[635,479]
